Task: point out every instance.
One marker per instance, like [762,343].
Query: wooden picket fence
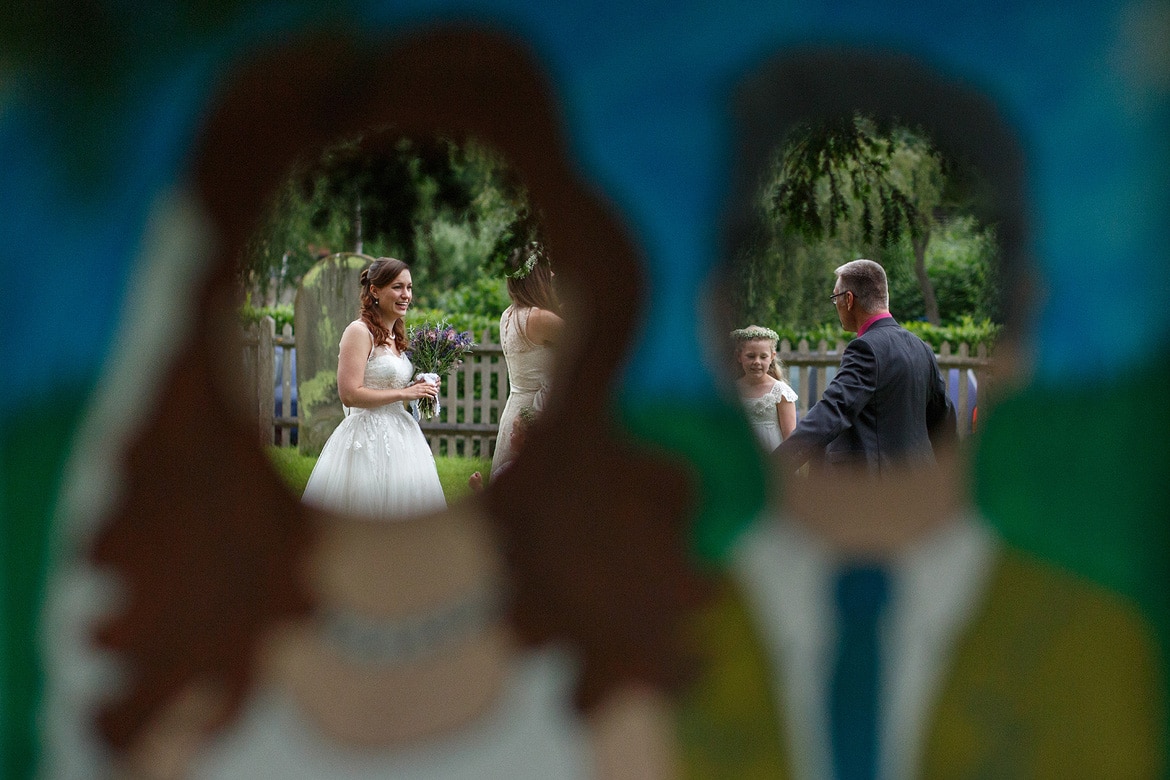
[471,401]
[263,351]
[473,396]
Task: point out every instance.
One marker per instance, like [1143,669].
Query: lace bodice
[761,413]
[529,364]
[386,370]
[762,410]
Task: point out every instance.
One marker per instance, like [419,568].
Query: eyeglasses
[835,296]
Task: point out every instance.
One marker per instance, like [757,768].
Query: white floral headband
[534,254]
[755,332]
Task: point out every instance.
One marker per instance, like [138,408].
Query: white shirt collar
[939,579]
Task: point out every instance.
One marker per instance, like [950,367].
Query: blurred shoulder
[1055,671]
[1074,608]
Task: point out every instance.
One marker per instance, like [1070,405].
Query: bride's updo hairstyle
[530,278]
[381,272]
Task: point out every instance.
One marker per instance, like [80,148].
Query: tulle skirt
[768,434]
[376,464]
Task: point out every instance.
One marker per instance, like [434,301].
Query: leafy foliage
[452,212]
[965,330]
[476,323]
[961,261]
[485,297]
[282,314]
[832,171]
[847,189]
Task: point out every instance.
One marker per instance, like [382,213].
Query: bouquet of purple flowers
[436,350]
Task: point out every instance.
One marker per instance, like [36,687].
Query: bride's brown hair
[381,272]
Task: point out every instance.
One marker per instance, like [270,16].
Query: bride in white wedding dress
[377,464]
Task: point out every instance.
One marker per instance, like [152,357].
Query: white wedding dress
[761,413]
[529,370]
[530,732]
[376,463]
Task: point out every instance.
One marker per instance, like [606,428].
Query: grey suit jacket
[886,405]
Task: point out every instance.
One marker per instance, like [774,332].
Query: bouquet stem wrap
[427,407]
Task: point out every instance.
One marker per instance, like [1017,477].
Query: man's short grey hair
[867,281]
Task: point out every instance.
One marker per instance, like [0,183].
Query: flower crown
[754,332]
[534,253]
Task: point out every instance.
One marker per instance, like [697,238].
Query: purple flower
[437,349]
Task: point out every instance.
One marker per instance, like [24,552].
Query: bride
[377,464]
[528,330]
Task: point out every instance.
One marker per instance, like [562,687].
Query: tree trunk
[930,302]
[357,227]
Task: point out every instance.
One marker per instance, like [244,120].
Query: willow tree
[885,183]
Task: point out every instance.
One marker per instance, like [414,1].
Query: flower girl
[768,400]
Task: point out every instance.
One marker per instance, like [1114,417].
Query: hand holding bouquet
[436,350]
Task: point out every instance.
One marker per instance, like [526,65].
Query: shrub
[827,332]
[965,330]
[960,261]
[460,320]
[485,297]
[282,314]
[476,323]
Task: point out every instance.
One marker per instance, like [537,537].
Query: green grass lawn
[295,468]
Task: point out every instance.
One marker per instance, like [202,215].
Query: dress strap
[518,318]
[369,333]
[522,326]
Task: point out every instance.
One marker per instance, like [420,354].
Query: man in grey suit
[887,404]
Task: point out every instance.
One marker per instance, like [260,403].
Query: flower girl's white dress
[377,463]
[761,413]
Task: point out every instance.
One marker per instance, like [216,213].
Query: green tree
[849,173]
[916,172]
[849,188]
[452,212]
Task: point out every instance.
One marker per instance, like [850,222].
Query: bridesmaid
[528,330]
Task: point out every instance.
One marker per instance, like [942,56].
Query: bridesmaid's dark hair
[533,288]
[381,272]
